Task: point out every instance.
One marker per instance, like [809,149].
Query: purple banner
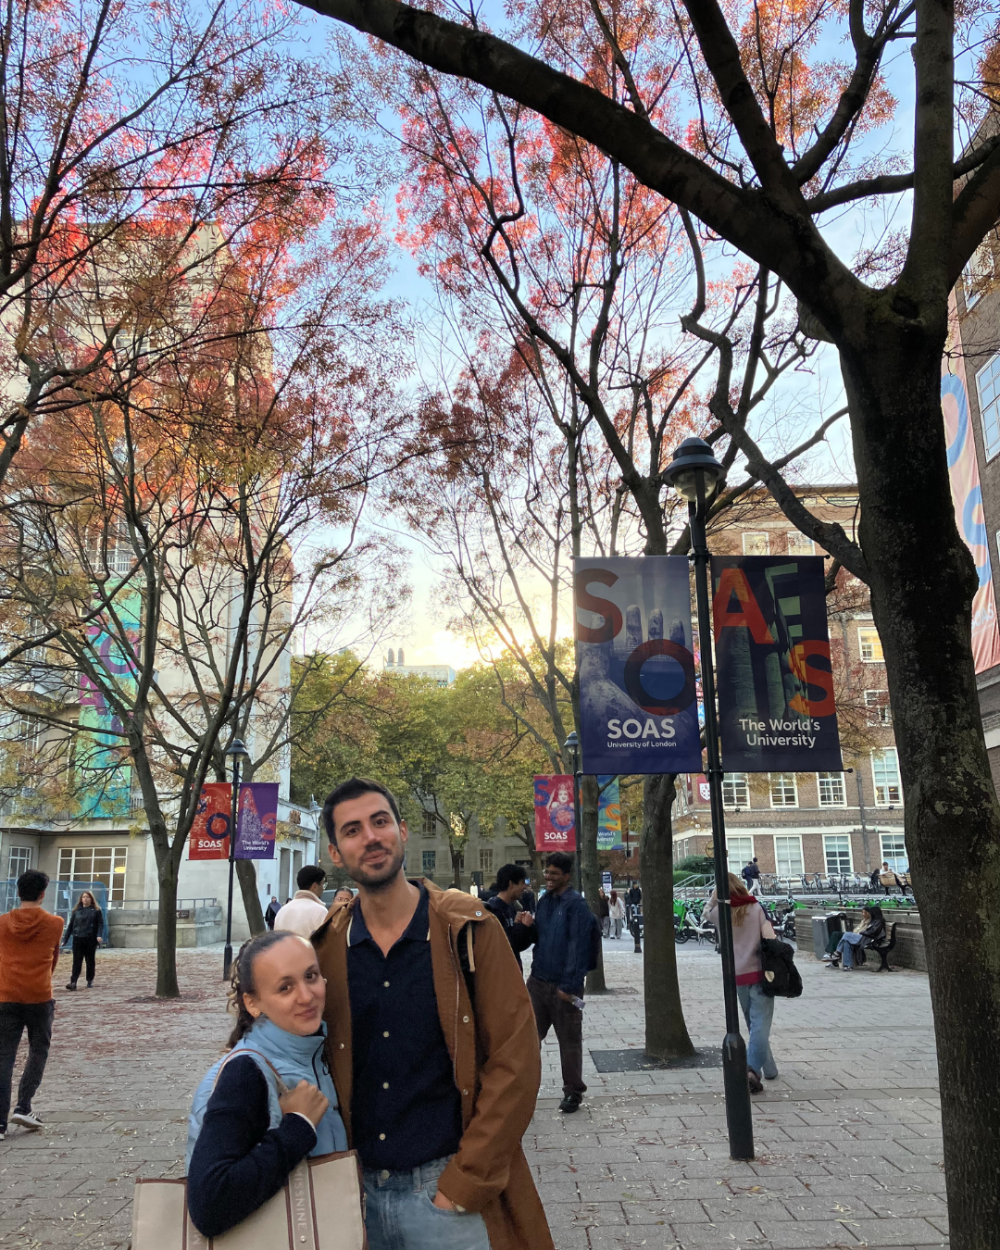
[257,822]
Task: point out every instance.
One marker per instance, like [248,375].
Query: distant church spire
[390,658]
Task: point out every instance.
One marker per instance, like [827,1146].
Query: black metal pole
[577,823]
[739,1115]
[227,958]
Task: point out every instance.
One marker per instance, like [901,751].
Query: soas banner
[775,679]
[638,704]
[555,813]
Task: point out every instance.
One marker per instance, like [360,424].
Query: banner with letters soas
[775,679]
[555,813]
[638,695]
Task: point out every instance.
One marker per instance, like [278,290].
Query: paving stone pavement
[848,1137]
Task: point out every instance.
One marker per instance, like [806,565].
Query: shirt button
[465,1092]
[465,1019]
[384,1174]
[341,1046]
[386,1033]
[385,1084]
[386,984]
[381,1136]
[479,913]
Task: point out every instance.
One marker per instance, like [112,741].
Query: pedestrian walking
[29,952]
[633,897]
[750,924]
[304,913]
[271,914]
[244,1135]
[616,912]
[564,926]
[85,927]
[442,1088]
[604,912]
[505,905]
[751,875]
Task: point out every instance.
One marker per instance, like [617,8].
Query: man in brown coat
[432,1046]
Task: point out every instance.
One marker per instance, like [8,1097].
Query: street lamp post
[573,747]
[236,752]
[693,473]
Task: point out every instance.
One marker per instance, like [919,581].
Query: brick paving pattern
[848,1138]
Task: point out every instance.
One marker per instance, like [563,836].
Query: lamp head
[572,742]
[692,457]
[236,752]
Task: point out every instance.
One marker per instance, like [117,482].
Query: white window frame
[868,639]
[988,394]
[840,839]
[738,862]
[69,870]
[735,791]
[877,707]
[428,824]
[799,544]
[893,791]
[486,859]
[832,780]
[773,780]
[897,863]
[788,871]
[18,861]
[754,538]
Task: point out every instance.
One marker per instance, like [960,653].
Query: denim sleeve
[238,1162]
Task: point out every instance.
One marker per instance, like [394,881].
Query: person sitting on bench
[872,930]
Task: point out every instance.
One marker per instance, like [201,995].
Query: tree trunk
[456,869]
[166,929]
[247,874]
[922,583]
[590,870]
[666,1033]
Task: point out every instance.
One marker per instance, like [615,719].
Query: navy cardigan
[238,1161]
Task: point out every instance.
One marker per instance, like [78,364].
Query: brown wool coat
[495,1059]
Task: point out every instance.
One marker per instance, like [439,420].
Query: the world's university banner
[638,695]
[775,680]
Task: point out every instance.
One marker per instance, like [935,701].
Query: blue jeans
[401,1214]
[758,1011]
[846,947]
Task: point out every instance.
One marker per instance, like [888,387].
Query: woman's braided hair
[242,981]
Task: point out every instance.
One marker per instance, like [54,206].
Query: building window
[429,824]
[18,861]
[831,789]
[837,848]
[894,852]
[429,862]
[740,852]
[788,856]
[735,790]
[988,386]
[486,859]
[756,544]
[799,544]
[870,644]
[877,703]
[885,775]
[89,864]
[783,790]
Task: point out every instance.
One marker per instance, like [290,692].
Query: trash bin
[822,927]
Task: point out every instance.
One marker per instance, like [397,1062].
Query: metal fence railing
[61,897]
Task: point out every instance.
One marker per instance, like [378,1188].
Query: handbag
[320,1207]
[781,977]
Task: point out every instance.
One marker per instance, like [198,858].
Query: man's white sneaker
[27,1120]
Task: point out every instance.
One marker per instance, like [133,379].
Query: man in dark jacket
[751,875]
[562,933]
[528,897]
[504,904]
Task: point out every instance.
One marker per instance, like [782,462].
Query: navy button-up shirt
[405,1107]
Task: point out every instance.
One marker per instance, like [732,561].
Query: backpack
[781,977]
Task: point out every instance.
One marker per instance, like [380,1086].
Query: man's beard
[375,879]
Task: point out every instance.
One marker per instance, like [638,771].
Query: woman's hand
[307,1100]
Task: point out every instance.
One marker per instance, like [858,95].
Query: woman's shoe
[90,985]
[71,986]
[755,1082]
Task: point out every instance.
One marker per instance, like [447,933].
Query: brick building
[832,824]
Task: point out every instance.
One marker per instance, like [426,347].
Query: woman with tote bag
[271,1101]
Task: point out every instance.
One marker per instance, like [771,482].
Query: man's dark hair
[561,860]
[354,788]
[309,875]
[508,875]
[31,885]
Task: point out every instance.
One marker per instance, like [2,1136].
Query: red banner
[555,816]
[209,837]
